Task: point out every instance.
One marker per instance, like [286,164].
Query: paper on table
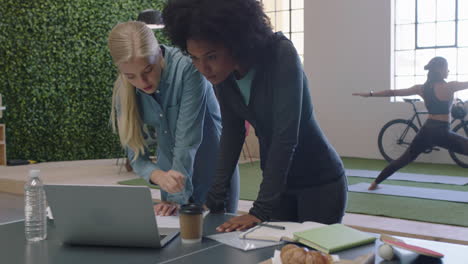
[276,259]
[168,221]
[232,239]
[171,221]
[155,194]
[260,232]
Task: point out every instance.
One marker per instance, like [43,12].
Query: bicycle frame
[419,124]
[416,115]
[461,121]
[388,142]
[411,121]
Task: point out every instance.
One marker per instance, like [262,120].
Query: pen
[272,226]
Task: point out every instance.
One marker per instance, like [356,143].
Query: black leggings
[433,133]
[324,203]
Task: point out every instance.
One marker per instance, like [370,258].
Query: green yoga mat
[432,211]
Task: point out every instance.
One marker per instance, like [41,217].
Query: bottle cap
[34,173]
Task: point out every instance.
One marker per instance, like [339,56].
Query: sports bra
[435,106]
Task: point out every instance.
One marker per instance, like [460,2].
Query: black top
[435,106]
[294,153]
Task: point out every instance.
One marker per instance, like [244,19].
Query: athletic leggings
[433,133]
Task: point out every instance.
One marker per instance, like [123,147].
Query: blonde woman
[158,87]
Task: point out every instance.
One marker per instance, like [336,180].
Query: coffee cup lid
[191,209]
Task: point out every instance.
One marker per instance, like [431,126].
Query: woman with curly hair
[258,77]
[158,87]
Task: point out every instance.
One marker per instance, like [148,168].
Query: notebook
[333,238]
[273,234]
[106,216]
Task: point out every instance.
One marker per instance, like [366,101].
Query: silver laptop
[106,216]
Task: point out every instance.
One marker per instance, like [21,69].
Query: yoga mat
[416,192]
[401,176]
[431,211]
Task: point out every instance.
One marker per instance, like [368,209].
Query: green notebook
[333,238]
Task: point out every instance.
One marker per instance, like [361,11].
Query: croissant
[292,254]
[317,257]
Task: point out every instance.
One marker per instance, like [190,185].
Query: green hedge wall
[56,76]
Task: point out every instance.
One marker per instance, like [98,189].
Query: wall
[57,76]
[348,49]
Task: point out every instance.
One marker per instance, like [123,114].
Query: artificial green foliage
[56,76]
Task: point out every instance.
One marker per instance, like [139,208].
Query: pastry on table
[293,254]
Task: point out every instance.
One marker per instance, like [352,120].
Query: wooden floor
[108,172]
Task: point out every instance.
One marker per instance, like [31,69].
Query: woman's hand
[171,181]
[362,94]
[238,223]
[166,208]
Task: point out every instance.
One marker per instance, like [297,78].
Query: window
[425,29]
[287,16]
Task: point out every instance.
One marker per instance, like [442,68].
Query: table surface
[15,249]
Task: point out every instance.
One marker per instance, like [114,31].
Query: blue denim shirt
[183,116]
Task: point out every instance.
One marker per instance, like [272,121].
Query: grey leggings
[433,133]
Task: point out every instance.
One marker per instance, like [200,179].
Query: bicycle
[396,135]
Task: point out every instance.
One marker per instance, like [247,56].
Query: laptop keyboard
[161,237]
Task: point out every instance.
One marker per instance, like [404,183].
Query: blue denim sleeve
[189,129]
[142,166]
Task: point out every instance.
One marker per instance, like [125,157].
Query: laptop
[104,215]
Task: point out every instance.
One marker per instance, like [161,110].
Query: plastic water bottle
[35,222]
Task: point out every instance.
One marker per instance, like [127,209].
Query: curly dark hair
[239,25]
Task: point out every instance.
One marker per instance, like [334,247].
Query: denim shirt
[182,110]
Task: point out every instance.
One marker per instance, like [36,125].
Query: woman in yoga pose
[438,98]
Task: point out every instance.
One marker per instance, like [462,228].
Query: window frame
[408,58]
[289,33]
[416,24]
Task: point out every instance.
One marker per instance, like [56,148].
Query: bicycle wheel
[460,159]
[395,137]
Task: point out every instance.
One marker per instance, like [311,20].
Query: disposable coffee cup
[191,223]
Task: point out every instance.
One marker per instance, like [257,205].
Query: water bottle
[35,222]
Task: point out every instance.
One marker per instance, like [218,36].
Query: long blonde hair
[127,41]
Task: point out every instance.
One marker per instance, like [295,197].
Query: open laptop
[106,216]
